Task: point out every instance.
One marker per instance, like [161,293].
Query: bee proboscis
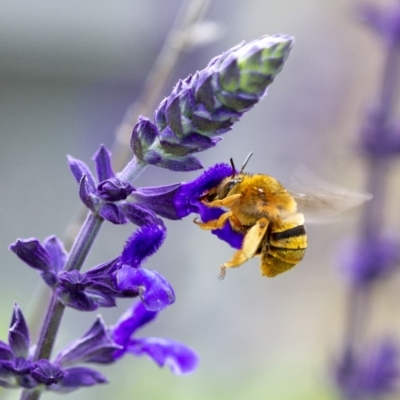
[271,218]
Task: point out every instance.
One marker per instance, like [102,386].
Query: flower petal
[78,169]
[111,212]
[55,249]
[180,358]
[143,243]
[18,333]
[155,291]
[96,345]
[140,215]
[78,377]
[159,199]
[32,253]
[134,318]
[102,158]
[86,193]
[186,199]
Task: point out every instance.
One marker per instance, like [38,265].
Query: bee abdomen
[283,250]
[291,239]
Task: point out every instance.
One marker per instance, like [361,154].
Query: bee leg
[214,223]
[250,246]
[227,202]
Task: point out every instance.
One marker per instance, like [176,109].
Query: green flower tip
[207,104]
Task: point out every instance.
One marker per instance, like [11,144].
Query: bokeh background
[68,71]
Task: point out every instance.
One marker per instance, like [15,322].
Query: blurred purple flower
[385,21]
[364,262]
[372,374]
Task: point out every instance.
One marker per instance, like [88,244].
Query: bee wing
[319,201]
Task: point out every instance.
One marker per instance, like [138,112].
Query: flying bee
[271,218]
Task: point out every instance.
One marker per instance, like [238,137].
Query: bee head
[229,183]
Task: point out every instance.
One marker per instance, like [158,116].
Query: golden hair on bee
[266,214]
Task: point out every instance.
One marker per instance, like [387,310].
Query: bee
[271,218]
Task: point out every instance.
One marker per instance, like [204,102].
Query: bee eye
[225,189]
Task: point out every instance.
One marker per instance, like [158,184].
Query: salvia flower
[99,345]
[180,358]
[179,200]
[19,370]
[206,105]
[369,375]
[48,258]
[101,285]
[103,198]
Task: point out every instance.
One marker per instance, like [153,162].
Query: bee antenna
[233,166]
[246,161]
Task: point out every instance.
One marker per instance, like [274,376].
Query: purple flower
[179,200]
[49,257]
[131,279]
[95,346]
[105,197]
[371,374]
[206,105]
[385,21]
[363,262]
[121,277]
[124,276]
[16,366]
[76,378]
[180,358]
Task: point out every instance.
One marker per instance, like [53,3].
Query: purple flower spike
[180,358]
[205,105]
[96,345]
[18,334]
[32,253]
[155,291]
[47,373]
[76,378]
[143,243]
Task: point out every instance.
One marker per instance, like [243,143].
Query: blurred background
[69,70]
